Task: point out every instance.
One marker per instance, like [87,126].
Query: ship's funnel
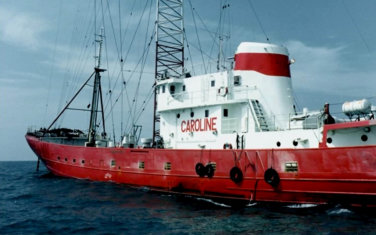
[266,68]
[264,58]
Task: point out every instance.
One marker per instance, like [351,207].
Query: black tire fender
[209,170]
[271,177]
[236,174]
[200,169]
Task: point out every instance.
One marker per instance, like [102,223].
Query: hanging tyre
[200,169]
[271,177]
[209,170]
[236,174]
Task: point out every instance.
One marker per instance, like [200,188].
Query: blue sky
[47,51]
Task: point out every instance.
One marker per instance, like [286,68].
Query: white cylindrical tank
[356,107]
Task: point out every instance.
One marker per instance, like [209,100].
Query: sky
[47,51]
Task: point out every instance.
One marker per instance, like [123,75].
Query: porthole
[178,115]
[58,157]
[278,144]
[74,160]
[295,143]
[192,114]
[83,161]
[329,140]
[364,138]
[66,159]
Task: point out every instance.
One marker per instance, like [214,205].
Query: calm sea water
[38,203]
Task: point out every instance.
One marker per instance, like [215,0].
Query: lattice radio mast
[169,61]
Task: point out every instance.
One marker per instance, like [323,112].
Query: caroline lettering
[196,125]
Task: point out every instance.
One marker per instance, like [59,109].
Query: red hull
[323,175]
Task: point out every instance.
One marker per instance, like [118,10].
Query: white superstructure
[250,106]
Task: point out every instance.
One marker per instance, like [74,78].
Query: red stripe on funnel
[265,63]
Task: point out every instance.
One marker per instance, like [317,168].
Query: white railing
[206,96]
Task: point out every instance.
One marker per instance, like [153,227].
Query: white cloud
[330,70]
[21,29]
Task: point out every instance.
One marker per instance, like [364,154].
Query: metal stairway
[259,115]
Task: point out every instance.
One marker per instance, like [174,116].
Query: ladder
[259,115]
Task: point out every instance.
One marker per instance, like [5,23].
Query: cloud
[21,29]
[330,70]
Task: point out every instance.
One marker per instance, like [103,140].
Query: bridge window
[212,83]
[237,80]
[206,113]
[163,89]
[183,88]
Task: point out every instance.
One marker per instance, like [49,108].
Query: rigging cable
[145,102]
[64,91]
[138,63]
[142,65]
[212,35]
[356,27]
[80,64]
[122,72]
[218,32]
[198,38]
[189,52]
[109,93]
[51,73]
[130,46]
[258,20]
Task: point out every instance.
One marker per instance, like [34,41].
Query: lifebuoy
[227,146]
[222,91]
[236,175]
[209,170]
[200,169]
[271,177]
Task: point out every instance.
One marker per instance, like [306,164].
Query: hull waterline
[321,175]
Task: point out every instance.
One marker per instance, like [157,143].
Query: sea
[37,202]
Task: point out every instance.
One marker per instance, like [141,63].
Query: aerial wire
[51,73]
[143,62]
[258,20]
[198,38]
[356,27]
[122,73]
[189,52]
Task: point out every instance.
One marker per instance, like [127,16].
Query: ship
[233,135]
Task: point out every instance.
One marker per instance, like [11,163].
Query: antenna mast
[97,95]
[169,61]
